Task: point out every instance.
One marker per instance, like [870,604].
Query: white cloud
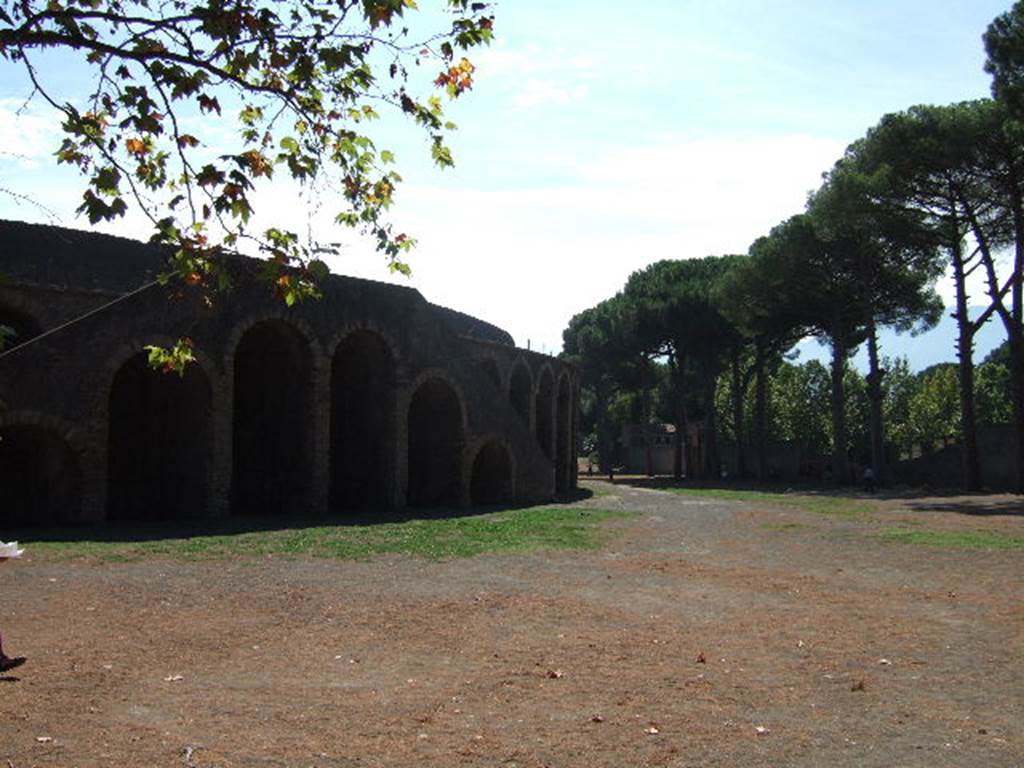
[540,93]
[28,134]
[532,76]
[528,259]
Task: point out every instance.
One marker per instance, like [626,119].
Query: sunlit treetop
[302,81]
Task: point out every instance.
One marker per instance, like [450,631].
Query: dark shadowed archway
[520,391]
[491,480]
[40,482]
[563,426]
[489,367]
[273,420]
[435,445]
[362,407]
[545,412]
[16,327]
[159,443]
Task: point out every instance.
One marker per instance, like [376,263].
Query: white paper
[10,549]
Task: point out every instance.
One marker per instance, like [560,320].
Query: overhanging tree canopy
[307,78]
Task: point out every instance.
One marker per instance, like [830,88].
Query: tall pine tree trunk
[712,461]
[875,374]
[840,464]
[761,413]
[965,358]
[737,415]
[604,437]
[645,415]
[676,366]
[1015,325]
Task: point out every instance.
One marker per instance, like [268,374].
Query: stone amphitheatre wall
[368,398]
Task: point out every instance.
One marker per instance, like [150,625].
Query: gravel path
[705,633]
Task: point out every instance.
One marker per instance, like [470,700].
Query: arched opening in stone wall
[16,327]
[491,479]
[40,480]
[544,411]
[362,407]
[563,424]
[159,443]
[490,369]
[435,445]
[520,391]
[273,421]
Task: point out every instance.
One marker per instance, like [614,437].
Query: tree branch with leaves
[302,82]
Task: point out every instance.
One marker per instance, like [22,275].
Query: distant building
[658,439]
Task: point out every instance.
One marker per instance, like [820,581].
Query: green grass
[431,538]
[783,526]
[824,505]
[598,490]
[954,540]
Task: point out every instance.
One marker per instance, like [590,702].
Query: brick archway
[159,442]
[492,477]
[272,427]
[39,473]
[362,422]
[435,440]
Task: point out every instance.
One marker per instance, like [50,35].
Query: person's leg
[8,662]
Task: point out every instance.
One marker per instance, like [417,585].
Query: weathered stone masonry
[368,398]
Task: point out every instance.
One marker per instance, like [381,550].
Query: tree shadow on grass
[133,532]
[909,498]
[980,505]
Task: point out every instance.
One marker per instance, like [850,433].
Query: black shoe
[7,663]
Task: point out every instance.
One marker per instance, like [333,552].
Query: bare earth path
[706,633]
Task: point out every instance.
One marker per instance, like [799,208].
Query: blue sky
[603,136]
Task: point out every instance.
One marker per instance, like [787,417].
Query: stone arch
[40,473]
[489,367]
[492,477]
[397,352]
[362,421]
[272,426]
[159,442]
[520,390]
[544,412]
[436,429]
[22,324]
[563,435]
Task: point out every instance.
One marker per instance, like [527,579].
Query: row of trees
[930,189]
[921,410]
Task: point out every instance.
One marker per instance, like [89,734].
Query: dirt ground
[706,633]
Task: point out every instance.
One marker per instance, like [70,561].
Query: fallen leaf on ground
[554,674]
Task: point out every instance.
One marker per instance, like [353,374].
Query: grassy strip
[823,505]
[955,539]
[432,538]
[597,490]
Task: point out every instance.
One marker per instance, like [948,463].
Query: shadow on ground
[126,532]
[905,497]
